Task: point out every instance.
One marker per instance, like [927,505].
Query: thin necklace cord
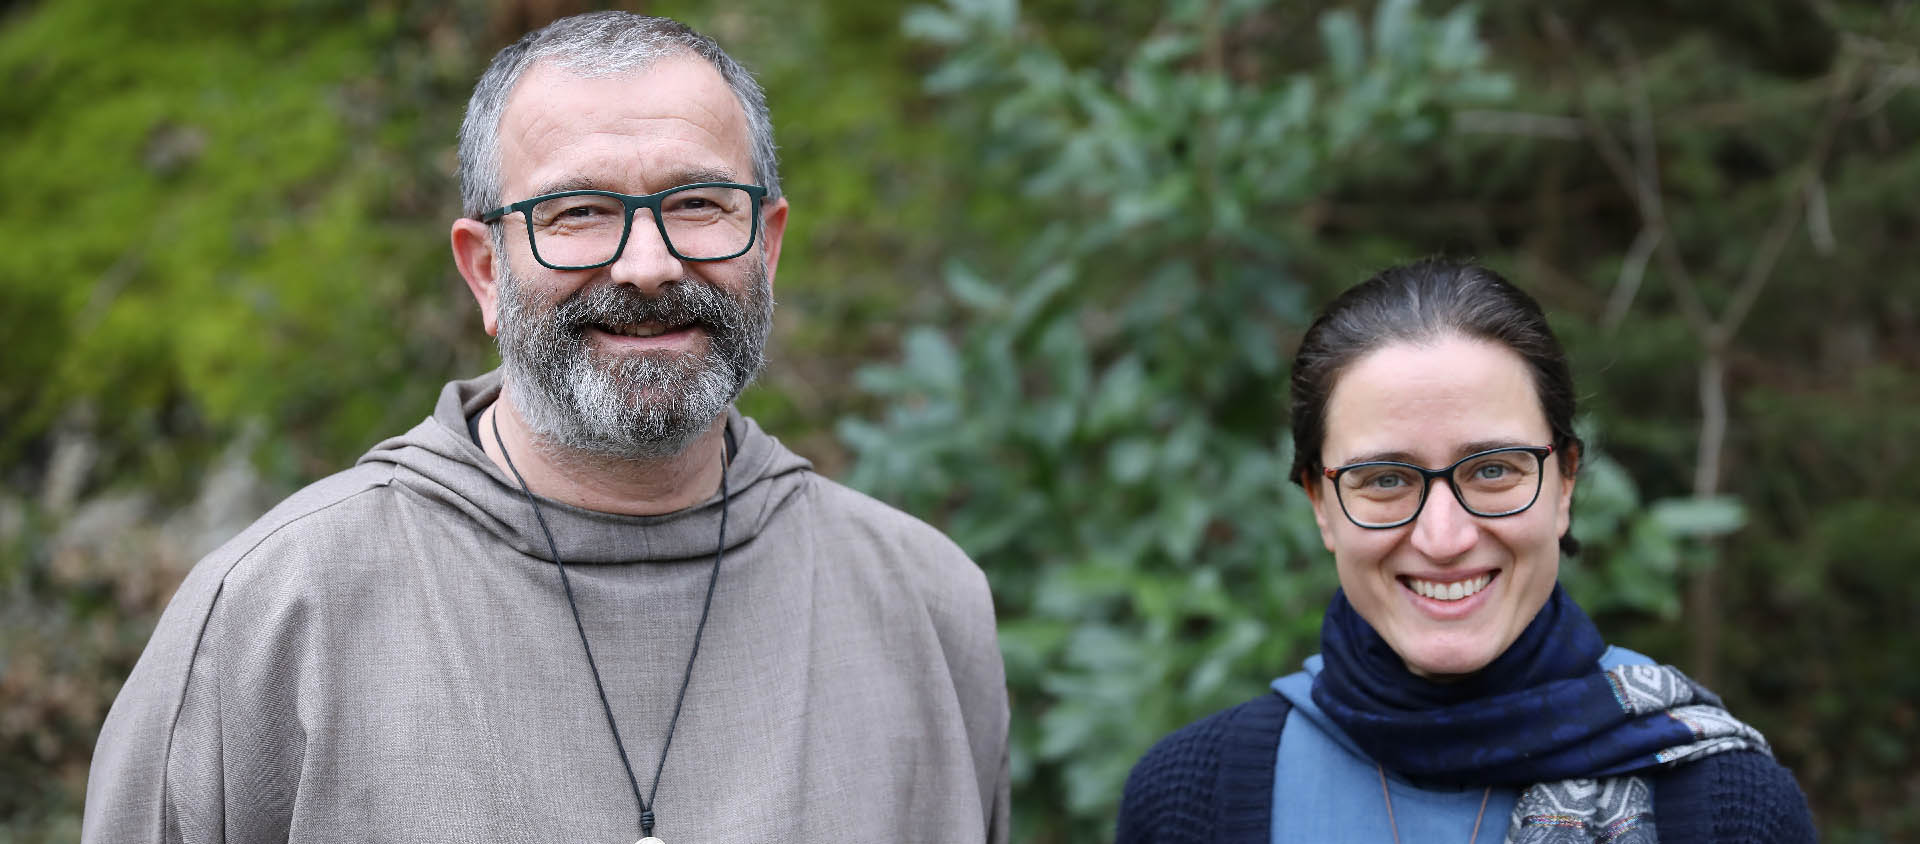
[699,630]
[1475,835]
[686,678]
[1394,825]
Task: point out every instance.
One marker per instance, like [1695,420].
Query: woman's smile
[1446,590]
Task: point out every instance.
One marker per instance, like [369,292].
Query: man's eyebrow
[697,175]
[567,184]
[672,179]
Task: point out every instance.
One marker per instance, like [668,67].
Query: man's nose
[1444,529]
[645,261]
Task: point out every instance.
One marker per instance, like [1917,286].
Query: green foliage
[1097,417]
[196,174]
[1102,425]
[1092,232]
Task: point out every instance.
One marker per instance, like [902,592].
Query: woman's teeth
[1449,591]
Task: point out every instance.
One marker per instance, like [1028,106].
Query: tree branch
[1788,218]
[1638,174]
[1632,271]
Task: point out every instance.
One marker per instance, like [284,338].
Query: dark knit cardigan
[1212,781]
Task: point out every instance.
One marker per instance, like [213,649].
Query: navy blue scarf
[1540,712]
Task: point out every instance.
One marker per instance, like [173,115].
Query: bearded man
[585,600]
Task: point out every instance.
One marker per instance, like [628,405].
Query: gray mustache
[679,303]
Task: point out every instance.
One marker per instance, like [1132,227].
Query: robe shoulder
[856,525]
[893,554]
[904,553]
[126,781]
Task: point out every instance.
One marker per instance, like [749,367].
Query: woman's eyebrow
[1488,445]
[1381,456]
[1464,449]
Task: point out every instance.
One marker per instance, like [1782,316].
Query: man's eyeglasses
[1494,483]
[584,229]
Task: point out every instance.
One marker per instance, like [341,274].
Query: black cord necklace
[719,552]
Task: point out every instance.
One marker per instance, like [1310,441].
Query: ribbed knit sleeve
[1743,796]
[1210,781]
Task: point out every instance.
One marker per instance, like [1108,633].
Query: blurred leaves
[1701,517]
[1087,235]
[1098,416]
[196,177]
[1100,420]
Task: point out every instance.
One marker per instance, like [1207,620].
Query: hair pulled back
[1423,302]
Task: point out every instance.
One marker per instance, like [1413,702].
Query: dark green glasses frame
[650,202]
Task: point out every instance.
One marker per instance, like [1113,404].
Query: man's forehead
[680,85]
[675,111]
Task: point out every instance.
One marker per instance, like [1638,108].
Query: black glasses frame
[651,202]
[1428,476]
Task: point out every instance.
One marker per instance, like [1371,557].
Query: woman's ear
[1569,473]
[1320,517]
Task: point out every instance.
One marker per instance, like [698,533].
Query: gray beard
[632,407]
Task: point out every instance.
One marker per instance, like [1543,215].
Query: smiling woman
[1405,556]
[1459,693]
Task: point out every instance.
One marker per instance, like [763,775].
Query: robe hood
[439,461]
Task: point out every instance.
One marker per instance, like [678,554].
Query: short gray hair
[594,45]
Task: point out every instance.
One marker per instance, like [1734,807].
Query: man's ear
[773,227]
[473,254]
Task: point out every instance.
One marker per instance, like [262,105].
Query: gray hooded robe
[388,656]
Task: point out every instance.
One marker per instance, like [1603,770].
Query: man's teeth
[645,329]
[1449,591]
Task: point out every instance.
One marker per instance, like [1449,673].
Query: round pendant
[650,840]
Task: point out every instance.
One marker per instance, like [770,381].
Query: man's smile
[641,329]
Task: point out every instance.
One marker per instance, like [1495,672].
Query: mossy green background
[1046,264]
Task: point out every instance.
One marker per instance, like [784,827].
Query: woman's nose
[1444,529]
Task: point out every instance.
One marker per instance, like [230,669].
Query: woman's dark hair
[1422,302]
